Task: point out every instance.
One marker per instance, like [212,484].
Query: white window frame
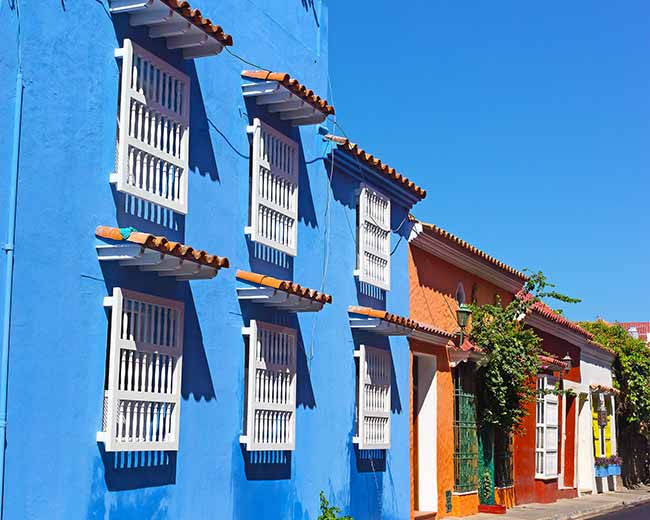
[270,388]
[547,427]
[152,160]
[273,211]
[374,382]
[373,238]
[145,364]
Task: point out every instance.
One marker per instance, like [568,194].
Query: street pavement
[583,508]
[641,512]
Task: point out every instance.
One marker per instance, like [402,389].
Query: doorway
[425,430]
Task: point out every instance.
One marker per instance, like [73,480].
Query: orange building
[473,469]
[445,272]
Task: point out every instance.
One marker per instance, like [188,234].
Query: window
[273,213]
[270,388]
[373,239]
[602,424]
[142,396]
[153,129]
[460,293]
[374,381]
[465,431]
[547,430]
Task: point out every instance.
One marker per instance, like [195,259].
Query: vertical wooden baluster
[150,373]
[122,368]
[170,372]
[120,422]
[144,365]
[147,433]
[129,373]
[136,380]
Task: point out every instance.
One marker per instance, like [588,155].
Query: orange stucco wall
[433,284]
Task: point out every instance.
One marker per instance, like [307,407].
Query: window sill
[463,493]
[546,477]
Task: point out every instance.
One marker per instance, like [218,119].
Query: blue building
[196,292]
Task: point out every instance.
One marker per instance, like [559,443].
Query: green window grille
[465,431]
[503,460]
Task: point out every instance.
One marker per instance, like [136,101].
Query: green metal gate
[465,434]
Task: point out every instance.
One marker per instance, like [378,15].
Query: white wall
[427,431]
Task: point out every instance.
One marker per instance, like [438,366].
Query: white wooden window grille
[547,429]
[373,239]
[153,129]
[373,399]
[142,398]
[270,408]
[274,189]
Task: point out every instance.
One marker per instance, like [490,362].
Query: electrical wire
[244,60]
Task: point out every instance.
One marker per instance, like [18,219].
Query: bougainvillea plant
[507,372]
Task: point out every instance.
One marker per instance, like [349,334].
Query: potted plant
[614,465]
[602,465]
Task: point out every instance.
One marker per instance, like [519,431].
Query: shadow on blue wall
[266,465]
[367,468]
[137,469]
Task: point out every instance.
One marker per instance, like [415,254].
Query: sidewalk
[582,508]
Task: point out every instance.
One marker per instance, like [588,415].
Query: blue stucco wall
[55,468]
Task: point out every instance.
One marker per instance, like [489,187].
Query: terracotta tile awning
[604,389]
[430,334]
[175,20]
[553,363]
[380,322]
[380,167]
[467,351]
[156,253]
[286,96]
[283,294]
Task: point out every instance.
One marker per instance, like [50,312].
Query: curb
[621,506]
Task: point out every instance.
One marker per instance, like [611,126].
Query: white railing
[373,262]
[142,398]
[373,399]
[153,129]
[270,388]
[274,189]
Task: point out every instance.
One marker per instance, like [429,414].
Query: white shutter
[142,398]
[274,189]
[551,434]
[373,401]
[373,248]
[153,129]
[270,409]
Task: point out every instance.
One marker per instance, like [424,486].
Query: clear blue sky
[528,124]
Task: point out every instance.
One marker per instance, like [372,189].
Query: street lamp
[462,317]
[567,360]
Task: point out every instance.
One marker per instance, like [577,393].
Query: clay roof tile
[161,244]
[284,285]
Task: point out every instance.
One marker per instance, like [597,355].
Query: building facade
[200,279]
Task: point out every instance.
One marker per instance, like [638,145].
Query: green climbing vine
[511,361]
[631,376]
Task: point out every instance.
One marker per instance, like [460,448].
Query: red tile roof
[195,17]
[294,86]
[548,361]
[468,346]
[384,315]
[430,329]
[162,244]
[642,327]
[284,285]
[548,313]
[376,164]
[436,231]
